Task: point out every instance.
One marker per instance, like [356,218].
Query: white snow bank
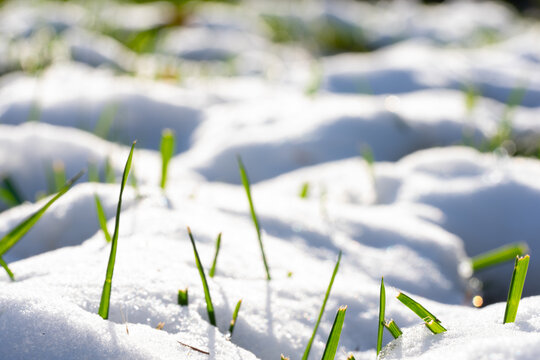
[473,334]
[117,108]
[487,200]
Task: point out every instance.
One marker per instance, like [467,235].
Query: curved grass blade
[333,339]
[107,285]
[209,305]
[183,297]
[382,307]
[393,328]
[102,218]
[235,316]
[245,182]
[499,255]
[431,320]
[167,150]
[110,177]
[12,237]
[308,347]
[8,270]
[516,288]
[213,268]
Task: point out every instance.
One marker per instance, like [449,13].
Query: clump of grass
[102,218]
[9,193]
[167,150]
[382,307]
[209,305]
[212,271]
[499,255]
[304,190]
[431,321]
[333,339]
[516,288]
[245,182]
[107,285]
[183,297]
[234,317]
[310,342]
[15,234]
[393,328]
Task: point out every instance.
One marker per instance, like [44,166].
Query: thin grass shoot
[9,192]
[304,191]
[102,218]
[499,255]
[382,307]
[516,288]
[333,339]
[208,299]
[234,317]
[310,342]
[167,151]
[107,285]
[247,187]
[212,271]
[8,270]
[431,320]
[392,327]
[183,297]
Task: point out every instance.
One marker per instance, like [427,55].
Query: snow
[415,215]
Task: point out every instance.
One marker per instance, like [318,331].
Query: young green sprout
[310,342]
[8,270]
[234,317]
[93,173]
[333,339]
[431,321]
[59,171]
[382,306]
[9,193]
[183,297]
[393,328]
[498,255]
[167,151]
[102,218]
[107,285]
[15,234]
[283,357]
[516,288]
[304,190]
[245,182]
[350,357]
[212,271]
[209,305]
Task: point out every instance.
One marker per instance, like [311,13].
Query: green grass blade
[10,192]
[333,339]
[499,255]
[393,328]
[209,305]
[382,306]
[245,182]
[105,120]
[102,218]
[218,246]
[167,151]
[5,266]
[423,313]
[308,347]
[107,285]
[12,237]
[516,288]
[304,190]
[183,297]
[235,316]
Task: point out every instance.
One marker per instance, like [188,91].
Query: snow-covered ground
[443,100]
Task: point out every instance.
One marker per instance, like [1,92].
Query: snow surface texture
[415,215]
